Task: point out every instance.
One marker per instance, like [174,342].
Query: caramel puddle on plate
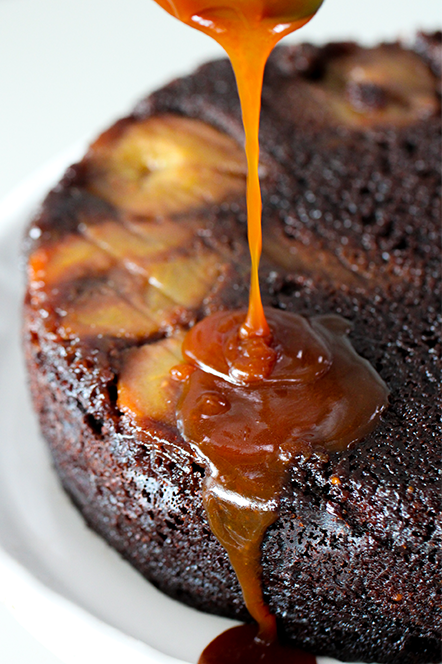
[239,645]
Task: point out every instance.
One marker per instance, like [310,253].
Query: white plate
[62,582]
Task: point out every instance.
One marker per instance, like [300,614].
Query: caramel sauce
[262,387]
[250,405]
[239,645]
[248,30]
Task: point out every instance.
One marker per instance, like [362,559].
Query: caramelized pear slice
[145,388]
[71,258]
[166,165]
[296,257]
[166,234]
[137,249]
[110,284]
[186,280]
[105,312]
[385,85]
[162,309]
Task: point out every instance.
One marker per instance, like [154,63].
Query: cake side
[350,226]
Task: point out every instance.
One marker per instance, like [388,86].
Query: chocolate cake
[147,235]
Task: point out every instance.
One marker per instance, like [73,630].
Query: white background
[69,68]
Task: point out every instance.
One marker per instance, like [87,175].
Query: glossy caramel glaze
[252,404]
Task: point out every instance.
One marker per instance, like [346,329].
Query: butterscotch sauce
[248,30]
[260,388]
[249,413]
[239,645]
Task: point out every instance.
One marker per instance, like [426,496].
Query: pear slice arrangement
[143,271]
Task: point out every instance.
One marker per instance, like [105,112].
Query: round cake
[147,235]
